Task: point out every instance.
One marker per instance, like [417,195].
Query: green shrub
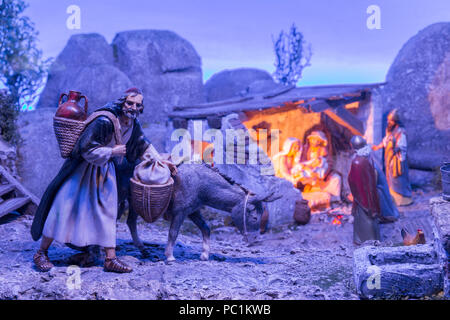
[22,68]
[9,111]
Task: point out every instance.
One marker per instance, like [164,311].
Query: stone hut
[340,111]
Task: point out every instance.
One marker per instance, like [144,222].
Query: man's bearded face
[391,123]
[133,106]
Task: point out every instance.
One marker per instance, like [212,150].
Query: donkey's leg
[197,218]
[175,224]
[131,223]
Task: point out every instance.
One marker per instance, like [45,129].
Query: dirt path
[287,262]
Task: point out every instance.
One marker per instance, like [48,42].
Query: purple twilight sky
[238,33]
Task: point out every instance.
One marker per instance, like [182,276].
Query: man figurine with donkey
[80,206]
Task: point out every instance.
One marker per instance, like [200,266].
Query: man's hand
[119,150]
[377,147]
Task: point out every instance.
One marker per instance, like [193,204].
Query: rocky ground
[287,262]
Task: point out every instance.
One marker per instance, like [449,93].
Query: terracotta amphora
[71,109]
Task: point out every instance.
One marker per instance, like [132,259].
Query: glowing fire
[337,220]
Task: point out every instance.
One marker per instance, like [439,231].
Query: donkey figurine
[199,185]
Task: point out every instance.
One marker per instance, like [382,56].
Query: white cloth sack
[151,171]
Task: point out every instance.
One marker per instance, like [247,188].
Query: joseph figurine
[80,206]
[395,160]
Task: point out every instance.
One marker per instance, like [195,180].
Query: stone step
[394,272]
[5,188]
[12,204]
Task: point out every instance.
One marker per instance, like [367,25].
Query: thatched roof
[324,98]
[272,99]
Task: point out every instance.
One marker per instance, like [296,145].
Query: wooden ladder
[14,196]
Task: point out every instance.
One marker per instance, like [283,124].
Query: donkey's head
[253,205]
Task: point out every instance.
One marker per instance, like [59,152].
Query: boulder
[39,156]
[418,85]
[100,83]
[164,65]
[84,50]
[264,86]
[86,64]
[237,82]
[422,178]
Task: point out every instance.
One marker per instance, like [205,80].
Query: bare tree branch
[292,55]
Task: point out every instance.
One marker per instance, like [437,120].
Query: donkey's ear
[255,198]
[265,198]
[272,197]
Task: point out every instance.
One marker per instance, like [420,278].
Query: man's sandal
[115,265]
[42,261]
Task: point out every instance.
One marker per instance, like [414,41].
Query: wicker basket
[150,201]
[67,132]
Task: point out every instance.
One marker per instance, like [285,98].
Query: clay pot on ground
[302,213]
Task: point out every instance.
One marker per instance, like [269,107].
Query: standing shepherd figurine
[396,166]
[80,205]
[362,180]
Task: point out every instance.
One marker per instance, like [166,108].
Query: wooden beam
[203,113]
[279,92]
[18,186]
[317,106]
[12,204]
[346,119]
[212,104]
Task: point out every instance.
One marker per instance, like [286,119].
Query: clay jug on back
[71,108]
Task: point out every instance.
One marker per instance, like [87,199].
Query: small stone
[272,294]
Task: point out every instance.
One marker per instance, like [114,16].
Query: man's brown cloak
[366,205]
